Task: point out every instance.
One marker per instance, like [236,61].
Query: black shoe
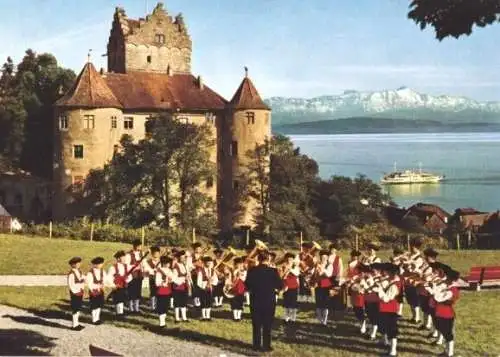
[98,322]
[78,328]
[422,328]
[177,321]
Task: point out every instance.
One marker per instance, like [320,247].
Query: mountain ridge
[401,103]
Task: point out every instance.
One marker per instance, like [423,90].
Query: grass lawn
[35,255]
[475,331]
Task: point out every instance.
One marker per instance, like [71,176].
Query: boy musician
[371,257]
[388,292]
[218,292]
[149,271]
[323,278]
[424,290]
[76,285]
[134,287]
[118,272]
[290,273]
[371,297]
[397,258]
[413,264]
[163,277]
[194,264]
[181,287]
[304,291]
[445,314]
[206,280]
[95,282]
[336,302]
[238,279]
[354,277]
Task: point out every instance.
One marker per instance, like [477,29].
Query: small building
[469,219]
[433,218]
[5,220]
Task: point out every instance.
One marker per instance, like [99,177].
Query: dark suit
[262,282]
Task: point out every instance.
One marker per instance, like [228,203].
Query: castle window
[63,122]
[114,122]
[184,120]
[78,182]
[128,123]
[234,148]
[159,38]
[148,58]
[210,182]
[148,127]
[78,151]
[210,117]
[250,117]
[88,122]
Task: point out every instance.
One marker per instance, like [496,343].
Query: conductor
[262,282]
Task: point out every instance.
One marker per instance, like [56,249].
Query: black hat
[430,252]
[307,245]
[237,260]
[207,259]
[165,260]
[391,268]
[324,252]
[180,253]
[441,266]
[155,249]
[174,250]
[119,254]
[97,260]
[196,245]
[364,268]
[289,255]
[378,266]
[74,260]
[136,243]
[218,251]
[374,245]
[355,253]
[452,275]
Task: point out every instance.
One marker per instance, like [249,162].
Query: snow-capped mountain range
[402,103]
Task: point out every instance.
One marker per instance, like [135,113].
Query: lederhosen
[336,302]
[219,288]
[76,300]
[196,291]
[152,279]
[120,293]
[238,291]
[290,296]
[135,285]
[180,292]
[445,315]
[423,298]
[206,294]
[411,293]
[163,294]
[303,289]
[372,307]
[357,299]
[389,314]
[96,296]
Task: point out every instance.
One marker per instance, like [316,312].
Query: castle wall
[247,135]
[157,59]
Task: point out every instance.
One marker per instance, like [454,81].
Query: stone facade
[155,44]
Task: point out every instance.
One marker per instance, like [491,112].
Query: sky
[293,48]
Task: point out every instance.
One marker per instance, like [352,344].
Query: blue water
[470,162]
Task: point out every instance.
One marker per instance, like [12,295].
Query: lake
[469,161]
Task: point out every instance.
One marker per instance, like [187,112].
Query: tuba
[251,259]
[281,260]
[225,260]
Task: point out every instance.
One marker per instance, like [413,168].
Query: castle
[149,72]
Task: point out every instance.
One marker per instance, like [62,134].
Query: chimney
[200,82]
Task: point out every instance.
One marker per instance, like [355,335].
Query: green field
[34,255]
[475,331]
[476,311]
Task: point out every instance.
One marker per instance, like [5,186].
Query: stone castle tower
[149,73]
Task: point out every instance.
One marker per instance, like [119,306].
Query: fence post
[458,241]
[50,229]
[193,234]
[408,241]
[91,232]
[248,237]
[143,236]
[469,239]
[301,241]
[357,241]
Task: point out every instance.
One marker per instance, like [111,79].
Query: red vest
[239,287]
[391,305]
[183,286]
[291,282]
[336,266]
[357,299]
[163,290]
[118,279]
[99,291]
[445,309]
[351,272]
[136,273]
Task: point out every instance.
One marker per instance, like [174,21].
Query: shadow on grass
[344,336]
[33,320]
[19,342]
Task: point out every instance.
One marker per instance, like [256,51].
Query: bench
[483,276]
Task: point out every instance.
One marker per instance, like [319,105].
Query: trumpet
[226,258]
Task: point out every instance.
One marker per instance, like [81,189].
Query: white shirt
[327,270]
[240,274]
[128,259]
[76,281]
[211,276]
[122,270]
[390,293]
[90,279]
[177,279]
[147,269]
[159,280]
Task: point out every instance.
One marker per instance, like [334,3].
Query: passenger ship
[410,176]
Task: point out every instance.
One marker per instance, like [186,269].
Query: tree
[157,180]
[454,17]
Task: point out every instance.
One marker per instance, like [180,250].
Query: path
[22,333]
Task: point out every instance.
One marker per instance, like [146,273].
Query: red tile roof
[148,90]
[89,91]
[247,97]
